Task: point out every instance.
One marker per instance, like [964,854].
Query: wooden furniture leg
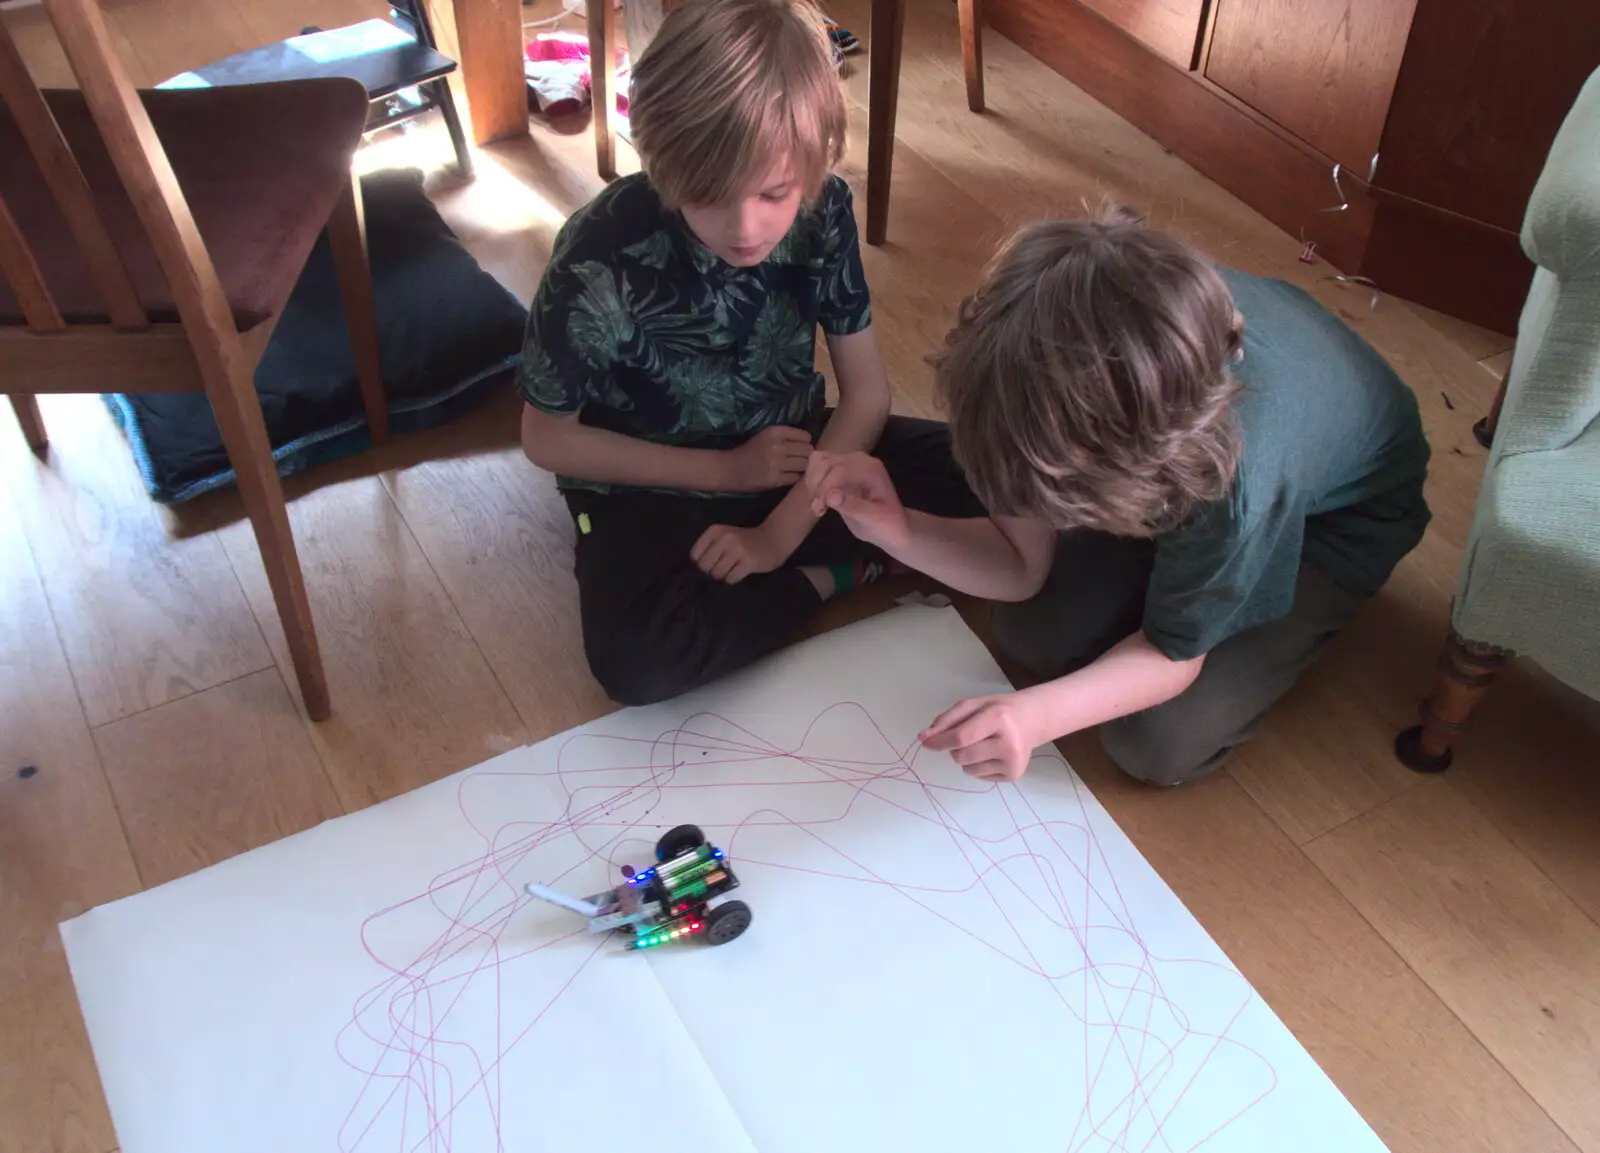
[603,84]
[883,98]
[971,17]
[244,434]
[1466,669]
[415,14]
[27,410]
[347,236]
[440,91]
[1483,431]
[489,52]
[225,367]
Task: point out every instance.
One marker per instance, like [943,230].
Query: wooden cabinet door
[1484,87]
[1323,69]
[1171,27]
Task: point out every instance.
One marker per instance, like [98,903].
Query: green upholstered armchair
[1530,577]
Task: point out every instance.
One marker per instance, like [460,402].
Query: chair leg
[1466,669]
[888,34]
[603,84]
[347,235]
[27,410]
[440,91]
[971,18]
[244,435]
[1484,430]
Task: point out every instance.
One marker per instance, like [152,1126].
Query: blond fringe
[730,88]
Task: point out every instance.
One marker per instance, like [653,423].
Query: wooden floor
[1432,941]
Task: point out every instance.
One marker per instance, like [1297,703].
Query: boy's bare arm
[855,426]
[997,558]
[864,397]
[771,459]
[993,738]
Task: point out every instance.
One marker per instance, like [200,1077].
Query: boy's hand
[775,457]
[991,738]
[730,554]
[858,488]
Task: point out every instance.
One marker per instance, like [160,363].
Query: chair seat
[261,167]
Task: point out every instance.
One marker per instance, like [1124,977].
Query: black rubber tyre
[675,842]
[726,922]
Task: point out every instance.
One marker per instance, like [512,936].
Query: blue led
[716,852]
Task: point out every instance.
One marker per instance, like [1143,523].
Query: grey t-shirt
[1331,474]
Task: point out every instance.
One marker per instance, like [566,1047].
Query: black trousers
[655,626]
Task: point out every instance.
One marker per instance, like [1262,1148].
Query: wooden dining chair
[149,242]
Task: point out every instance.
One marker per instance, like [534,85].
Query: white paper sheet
[934,964]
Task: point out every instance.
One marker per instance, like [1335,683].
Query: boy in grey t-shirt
[1194,476]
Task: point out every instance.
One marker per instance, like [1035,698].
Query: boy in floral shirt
[668,369]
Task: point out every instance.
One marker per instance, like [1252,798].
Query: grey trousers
[1095,598]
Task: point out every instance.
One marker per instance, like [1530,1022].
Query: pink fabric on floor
[557,73]
[559,46]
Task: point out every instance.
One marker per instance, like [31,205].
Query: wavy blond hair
[1087,378]
[726,90]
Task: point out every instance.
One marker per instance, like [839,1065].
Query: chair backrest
[141,164]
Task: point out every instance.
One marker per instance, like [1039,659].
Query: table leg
[971,19]
[603,84]
[488,36]
[883,97]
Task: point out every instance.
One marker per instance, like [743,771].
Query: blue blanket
[448,334]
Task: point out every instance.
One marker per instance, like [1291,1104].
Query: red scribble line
[478,902]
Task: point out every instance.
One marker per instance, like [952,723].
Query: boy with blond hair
[1195,477]
[668,369]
